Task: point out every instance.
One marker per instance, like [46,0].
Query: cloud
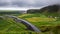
[27,3]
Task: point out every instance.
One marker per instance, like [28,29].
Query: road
[26,23]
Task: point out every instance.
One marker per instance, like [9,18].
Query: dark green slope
[8,25]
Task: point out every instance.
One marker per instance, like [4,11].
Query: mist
[27,4]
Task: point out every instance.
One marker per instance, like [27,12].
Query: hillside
[9,25]
[42,22]
[12,12]
[47,20]
[52,10]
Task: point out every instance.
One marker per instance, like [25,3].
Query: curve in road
[26,23]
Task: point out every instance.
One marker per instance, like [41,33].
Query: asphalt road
[26,23]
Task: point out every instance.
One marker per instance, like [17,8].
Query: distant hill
[11,12]
[51,9]
[33,11]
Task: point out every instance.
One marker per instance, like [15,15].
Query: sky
[26,4]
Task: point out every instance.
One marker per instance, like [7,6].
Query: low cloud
[27,3]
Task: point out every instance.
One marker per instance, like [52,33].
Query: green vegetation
[48,21]
[9,26]
[10,12]
[43,22]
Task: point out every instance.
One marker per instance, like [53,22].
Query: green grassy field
[45,24]
[42,22]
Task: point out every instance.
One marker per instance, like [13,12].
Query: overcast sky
[27,3]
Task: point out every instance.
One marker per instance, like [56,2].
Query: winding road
[26,23]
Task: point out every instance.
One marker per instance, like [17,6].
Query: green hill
[10,26]
[51,10]
[38,17]
[45,24]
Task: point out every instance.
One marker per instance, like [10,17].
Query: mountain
[48,10]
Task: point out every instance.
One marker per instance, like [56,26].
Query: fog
[25,4]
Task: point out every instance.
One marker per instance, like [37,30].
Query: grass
[8,25]
[41,21]
[45,24]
